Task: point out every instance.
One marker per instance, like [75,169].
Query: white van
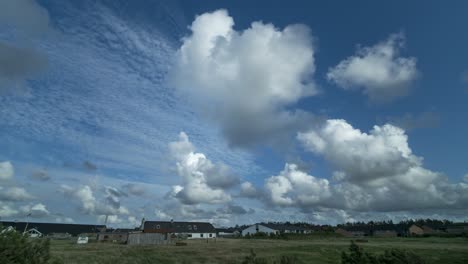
[82,240]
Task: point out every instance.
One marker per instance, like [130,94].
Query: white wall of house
[34,233]
[199,235]
[226,234]
[253,229]
[297,231]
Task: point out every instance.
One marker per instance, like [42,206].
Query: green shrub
[396,256]
[288,260]
[253,259]
[18,249]
[357,255]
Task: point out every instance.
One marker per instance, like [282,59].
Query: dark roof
[283,227]
[373,228]
[48,228]
[455,225]
[178,227]
[224,230]
[121,230]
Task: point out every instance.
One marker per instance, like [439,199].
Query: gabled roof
[373,228]
[283,227]
[224,230]
[121,230]
[48,228]
[178,227]
[34,230]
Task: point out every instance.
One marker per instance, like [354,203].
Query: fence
[148,239]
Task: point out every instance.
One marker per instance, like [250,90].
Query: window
[211,235]
[201,235]
[189,235]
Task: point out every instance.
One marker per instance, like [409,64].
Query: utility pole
[27,223]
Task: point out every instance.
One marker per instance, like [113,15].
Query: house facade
[50,228]
[227,232]
[457,229]
[259,228]
[114,237]
[343,232]
[190,230]
[140,238]
[34,233]
[385,233]
[415,230]
[288,228]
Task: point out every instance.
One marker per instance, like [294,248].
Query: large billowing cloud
[89,204]
[30,210]
[378,71]
[14,194]
[384,152]
[20,62]
[37,210]
[245,79]
[203,181]
[248,190]
[293,186]
[9,192]
[375,171]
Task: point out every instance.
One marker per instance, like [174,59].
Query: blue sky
[229,112]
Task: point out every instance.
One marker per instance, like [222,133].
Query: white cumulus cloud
[295,187]
[7,210]
[374,171]
[247,189]
[35,210]
[383,152]
[14,194]
[89,204]
[203,181]
[6,170]
[245,79]
[379,71]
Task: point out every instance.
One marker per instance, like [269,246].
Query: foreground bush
[253,259]
[18,249]
[357,255]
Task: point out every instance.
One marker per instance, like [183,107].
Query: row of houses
[54,230]
[161,230]
[165,232]
[402,230]
[150,232]
[274,229]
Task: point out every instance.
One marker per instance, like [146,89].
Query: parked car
[82,240]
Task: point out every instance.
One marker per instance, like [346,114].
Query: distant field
[313,250]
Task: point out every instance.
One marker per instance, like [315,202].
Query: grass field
[313,250]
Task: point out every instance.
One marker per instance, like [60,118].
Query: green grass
[311,250]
